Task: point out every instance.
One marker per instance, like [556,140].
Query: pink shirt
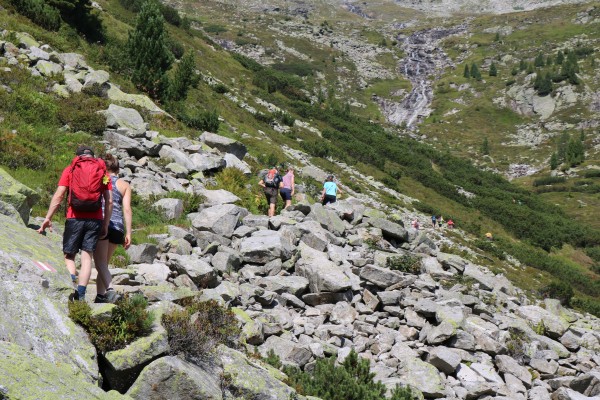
[287,180]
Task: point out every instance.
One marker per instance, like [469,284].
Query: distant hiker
[440,221]
[330,191]
[415,224]
[489,236]
[119,232]
[450,224]
[271,182]
[86,182]
[433,221]
[287,191]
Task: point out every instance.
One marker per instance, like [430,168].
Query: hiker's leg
[86,267]
[271,209]
[101,263]
[70,263]
[288,203]
[92,229]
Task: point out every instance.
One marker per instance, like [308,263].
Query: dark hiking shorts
[286,194]
[329,198]
[271,195]
[114,236]
[81,234]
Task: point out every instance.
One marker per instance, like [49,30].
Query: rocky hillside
[309,283]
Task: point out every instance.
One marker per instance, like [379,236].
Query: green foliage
[515,345]
[220,88]
[523,65]
[170,14]
[200,327]
[549,180]
[539,60]
[176,48]
[575,152]
[285,118]
[467,73]
[475,73]
[485,147]
[214,28]
[592,173]
[273,359]
[40,12]
[299,68]
[80,113]
[493,69]
[247,63]
[540,328]
[406,263]
[558,290]
[129,320]
[272,81]
[203,120]
[554,161]
[514,71]
[148,51]
[490,248]
[543,84]
[349,381]
[185,77]
[560,57]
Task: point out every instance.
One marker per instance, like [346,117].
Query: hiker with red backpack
[86,183]
[271,182]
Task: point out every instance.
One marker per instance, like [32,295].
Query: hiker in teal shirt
[330,191]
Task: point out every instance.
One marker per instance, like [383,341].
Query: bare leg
[86,267]
[288,203]
[271,209]
[101,261]
[70,263]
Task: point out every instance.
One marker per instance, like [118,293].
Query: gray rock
[256,221]
[327,218]
[264,246]
[382,277]
[538,393]
[221,219]
[169,208]
[17,195]
[226,261]
[121,117]
[588,384]
[146,187]
[315,299]
[72,60]
[508,365]
[174,378]
[96,79]
[122,142]
[569,394]
[288,351]
[224,144]
[48,68]
[35,53]
[555,326]
[207,162]
[295,285]
[201,273]
[177,156]
[441,333]
[144,253]
[343,314]
[444,359]
[452,261]
[156,273]
[390,230]
[232,161]
[322,274]
[217,197]
[421,375]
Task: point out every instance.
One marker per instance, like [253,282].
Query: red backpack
[85,189]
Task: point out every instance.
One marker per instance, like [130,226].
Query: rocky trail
[424,61]
[309,283]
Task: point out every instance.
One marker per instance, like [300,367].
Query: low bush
[80,113]
[558,290]
[199,328]
[220,88]
[405,263]
[40,12]
[549,180]
[491,248]
[349,381]
[202,120]
[129,320]
[592,173]
[247,62]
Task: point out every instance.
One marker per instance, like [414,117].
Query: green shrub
[129,320]
[349,381]
[405,263]
[273,359]
[491,248]
[558,290]
[40,12]
[592,173]
[80,113]
[170,14]
[201,120]
[593,253]
[299,68]
[200,327]
[549,180]
[214,28]
[220,88]
[247,62]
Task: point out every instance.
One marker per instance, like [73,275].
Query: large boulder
[207,162]
[174,378]
[177,156]
[295,285]
[34,290]
[201,273]
[17,195]
[232,161]
[221,219]
[382,277]
[139,100]
[224,144]
[217,197]
[554,325]
[289,352]
[48,68]
[169,208]
[146,187]
[327,218]
[323,275]
[390,230]
[129,118]
[131,146]
[264,246]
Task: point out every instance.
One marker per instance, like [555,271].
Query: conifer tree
[575,152]
[514,71]
[530,69]
[497,37]
[493,70]
[523,65]
[560,57]
[549,60]
[475,72]
[184,78]
[148,51]
[539,60]
[553,161]
[466,73]
[544,85]
[485,147]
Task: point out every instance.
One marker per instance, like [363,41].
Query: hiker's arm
[262,183]
[57,198]
[127,215]
[108,206]
[323,194]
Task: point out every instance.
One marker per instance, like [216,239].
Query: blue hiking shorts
[81,234]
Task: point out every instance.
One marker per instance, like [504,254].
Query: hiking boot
[74,296]
[111,296]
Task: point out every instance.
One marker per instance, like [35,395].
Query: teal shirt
[330,188]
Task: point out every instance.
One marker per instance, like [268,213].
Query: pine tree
[539,60]
[575,152]
[147,48]
[523,65]
[466,73]
[497,37]
[553,161]
[514,71]
[561,148]
[184,78]
[560,57]
[485,147]
[545,85]
[549,60]
[493,70]
[475,72]
[530,69]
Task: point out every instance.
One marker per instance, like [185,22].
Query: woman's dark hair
[112,164]
[330,178]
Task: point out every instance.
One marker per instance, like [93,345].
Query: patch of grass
[129,320]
